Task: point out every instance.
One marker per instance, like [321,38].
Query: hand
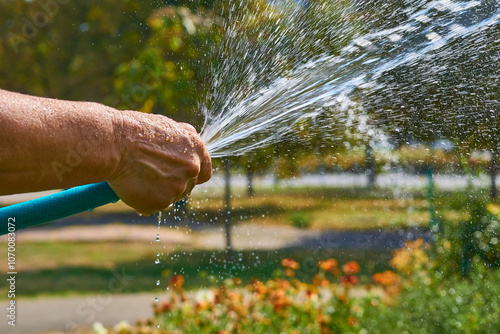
[161,161]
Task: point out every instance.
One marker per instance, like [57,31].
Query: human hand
[161,161]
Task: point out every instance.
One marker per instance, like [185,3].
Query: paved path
[67,314]
[244,236]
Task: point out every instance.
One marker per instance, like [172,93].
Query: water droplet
[156,299]
[157,237]
[158,282]
[157,261]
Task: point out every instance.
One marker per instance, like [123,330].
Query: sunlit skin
[150,161]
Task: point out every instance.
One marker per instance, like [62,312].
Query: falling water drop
[157,237]
[158,282]
[156,299]
[157,261]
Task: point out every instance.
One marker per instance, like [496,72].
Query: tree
[451,93]
[167,76]
[68,50]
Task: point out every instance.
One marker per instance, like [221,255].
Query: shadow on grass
[200,269]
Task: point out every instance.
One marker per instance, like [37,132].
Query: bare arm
[149,160]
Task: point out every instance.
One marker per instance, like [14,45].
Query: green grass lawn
[334,208]
[325,208]
[67,268]
[80,268]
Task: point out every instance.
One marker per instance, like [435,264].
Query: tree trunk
[493,174]
[370,166]
[250,189]
[227,208]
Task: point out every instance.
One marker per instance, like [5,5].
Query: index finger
[205,168]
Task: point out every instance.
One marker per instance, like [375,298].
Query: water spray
[262,118]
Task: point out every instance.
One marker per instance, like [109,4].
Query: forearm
[50,144]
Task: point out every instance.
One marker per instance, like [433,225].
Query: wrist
[117,143]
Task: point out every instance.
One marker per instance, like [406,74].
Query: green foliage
[458,245]
[68,50]
[299,219]
[167,75]
[453,305]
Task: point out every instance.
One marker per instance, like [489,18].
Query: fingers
[188,127]
[155,173]
[205,161]
[205,169]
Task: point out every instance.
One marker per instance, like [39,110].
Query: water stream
[261,115]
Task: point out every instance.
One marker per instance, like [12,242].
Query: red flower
[167,306]
[351,268]
[349,280]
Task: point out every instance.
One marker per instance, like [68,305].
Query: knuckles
[190,164]
[192,170]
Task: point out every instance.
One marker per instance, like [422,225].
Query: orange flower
[259,288]
[284,284]
[342,298]
[176,282]
[234,297]
[349,280]
[411,258]
[325,330]
[328,265]
[167,306]
[351,321]
[201,305]
[392,290]
[323,319]
[351,268]
[386,278]
[279,299]
[218,296]
[289,272]
[320,281]
[290,263]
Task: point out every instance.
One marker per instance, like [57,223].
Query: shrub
[415,299]
[300,219]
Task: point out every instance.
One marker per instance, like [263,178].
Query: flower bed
[416,299]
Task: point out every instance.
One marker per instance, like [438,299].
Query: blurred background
[360,197]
